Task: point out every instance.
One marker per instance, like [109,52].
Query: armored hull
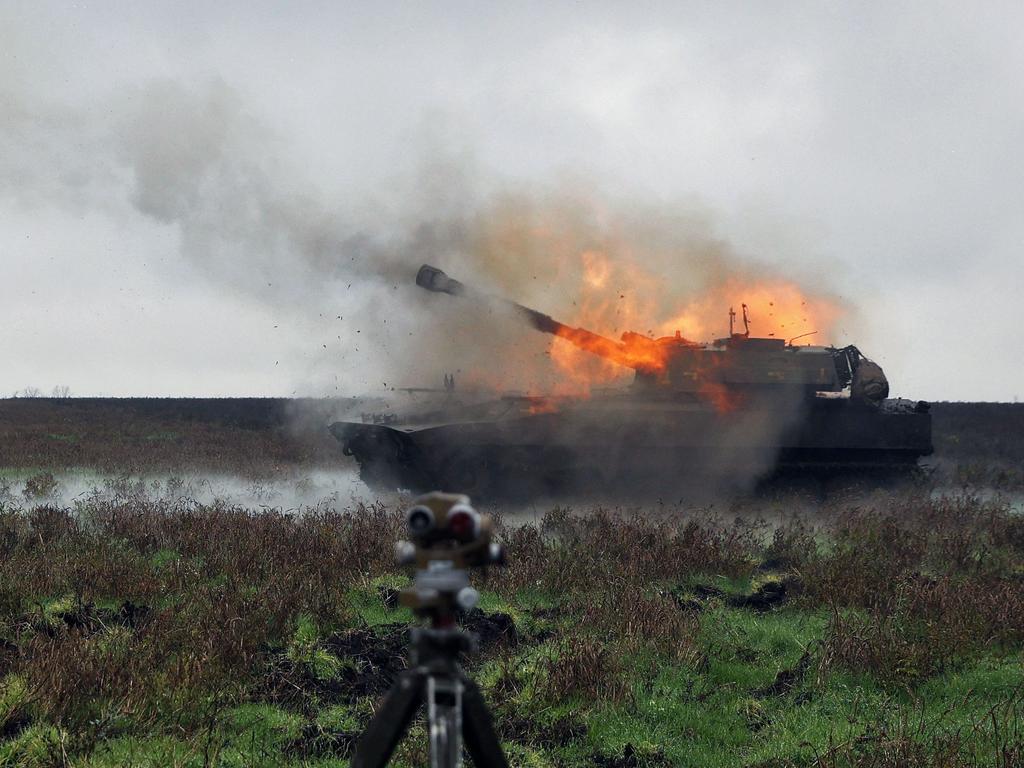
[624,442]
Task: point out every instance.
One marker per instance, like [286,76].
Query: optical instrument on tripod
[447,537]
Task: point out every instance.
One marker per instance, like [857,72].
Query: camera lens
[420,520]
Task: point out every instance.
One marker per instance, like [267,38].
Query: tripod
[448,536]
[455,707]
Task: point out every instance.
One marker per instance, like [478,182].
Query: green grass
[715,714]
[367,604]
[697,714]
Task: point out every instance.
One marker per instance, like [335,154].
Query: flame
[634,351]
[616,309]
[604,307]
[777,308]
[605,270]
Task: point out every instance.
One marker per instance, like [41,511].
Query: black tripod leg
[390,721]
[478,729]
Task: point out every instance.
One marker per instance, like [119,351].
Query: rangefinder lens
[464,522]
[420,520]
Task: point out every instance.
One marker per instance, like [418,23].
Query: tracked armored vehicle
[730,412]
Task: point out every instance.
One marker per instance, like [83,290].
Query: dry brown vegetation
[247,436]
[128,614]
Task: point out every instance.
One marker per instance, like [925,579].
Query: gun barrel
[434,279]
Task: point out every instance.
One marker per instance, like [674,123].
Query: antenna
[809,333]
[732,320]
[746,322]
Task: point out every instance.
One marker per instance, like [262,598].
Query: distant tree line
[61,391]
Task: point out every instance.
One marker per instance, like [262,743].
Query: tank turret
[673,364]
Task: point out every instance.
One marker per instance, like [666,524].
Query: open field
[146,624]
[244,436]
[978,443]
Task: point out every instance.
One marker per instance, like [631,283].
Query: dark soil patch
[492,629]
[787,679]
[706,592]
[769,595]
[687,604]
[545,626]
[377,661]
[88,618]
[775,563]
[694,598]
[630,758]
[542,635]
[131,614]
[14,724]
[560,733]
[379,657]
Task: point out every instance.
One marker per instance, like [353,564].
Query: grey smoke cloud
[872,152]
[193,160]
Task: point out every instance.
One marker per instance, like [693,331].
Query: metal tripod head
[447,537]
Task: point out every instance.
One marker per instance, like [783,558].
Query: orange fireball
[616,309]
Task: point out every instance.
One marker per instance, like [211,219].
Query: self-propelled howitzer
[731,410]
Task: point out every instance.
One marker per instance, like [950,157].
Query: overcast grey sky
[223,198]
